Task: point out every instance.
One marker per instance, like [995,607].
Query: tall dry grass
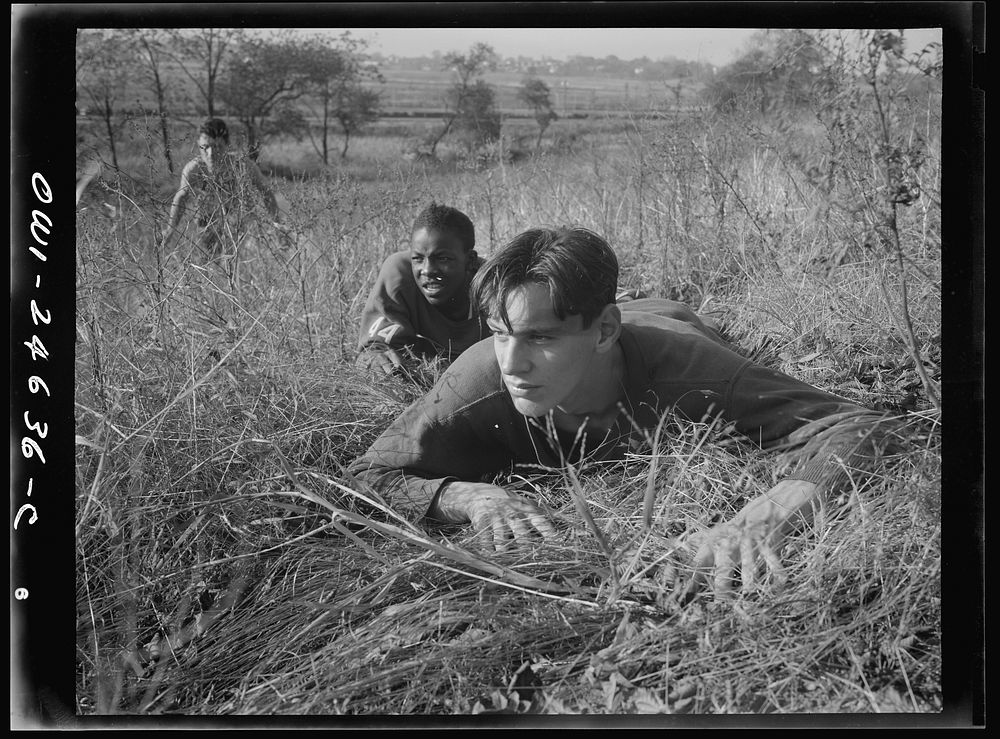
[228,566]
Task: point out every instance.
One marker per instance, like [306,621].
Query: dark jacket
[466,427]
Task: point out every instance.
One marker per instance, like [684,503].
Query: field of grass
[227,565]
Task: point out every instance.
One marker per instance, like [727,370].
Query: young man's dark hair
[576,265]
[437,217]
[215,128]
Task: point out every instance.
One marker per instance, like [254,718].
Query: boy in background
[215,179]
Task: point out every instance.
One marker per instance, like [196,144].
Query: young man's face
[210,149]
[544,360]
[440,265]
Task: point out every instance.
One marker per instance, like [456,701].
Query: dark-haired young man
[564,355]
[216,178]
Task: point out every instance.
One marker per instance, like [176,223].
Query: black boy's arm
[388,322]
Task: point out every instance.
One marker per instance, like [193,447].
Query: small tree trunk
[326,130]
[347,140]
[108,115]
[444,132]
[166,140]
[161,105]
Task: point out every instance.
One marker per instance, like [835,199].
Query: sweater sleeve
[389,317]
[456,431]
[825,439]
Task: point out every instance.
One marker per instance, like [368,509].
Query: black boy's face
[440,265]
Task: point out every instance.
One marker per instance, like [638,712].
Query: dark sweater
[466,427]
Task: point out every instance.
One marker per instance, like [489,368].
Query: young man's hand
[497,514]
[750,542]
[384,359]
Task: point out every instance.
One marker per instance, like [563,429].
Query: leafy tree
[335,77]
[200,54]
[537,96]
[478,121]
[470,101]
[104,61]
[778,69]
[150,46]
[357,106]
[264,76]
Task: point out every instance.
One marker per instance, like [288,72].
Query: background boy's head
[213,138]
[215,128]
[442,255]
[577,266]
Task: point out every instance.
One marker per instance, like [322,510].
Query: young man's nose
[513,358]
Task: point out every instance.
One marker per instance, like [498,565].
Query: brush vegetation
[227,565]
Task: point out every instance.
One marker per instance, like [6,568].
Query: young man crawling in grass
[420,308]
[564,355]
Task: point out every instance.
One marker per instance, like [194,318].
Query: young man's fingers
[697,581]
[501,533]
[748,563]
[723,579]
[519,529]
[542,525]
[773,563]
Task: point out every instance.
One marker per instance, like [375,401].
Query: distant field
[418,91]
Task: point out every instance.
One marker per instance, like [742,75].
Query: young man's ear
[610,322]
[471,260]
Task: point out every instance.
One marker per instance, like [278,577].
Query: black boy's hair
[445,218]
[578,267]
[215,128]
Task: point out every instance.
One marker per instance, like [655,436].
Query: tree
[356,107]
[104,60]
[200,53]
[778,69]
[335,80]
[469,101]
[537,96]
[478,121]
[150,46]
[264,76]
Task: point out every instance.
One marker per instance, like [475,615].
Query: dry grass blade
[411,535]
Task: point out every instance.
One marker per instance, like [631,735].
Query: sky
[718,46]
